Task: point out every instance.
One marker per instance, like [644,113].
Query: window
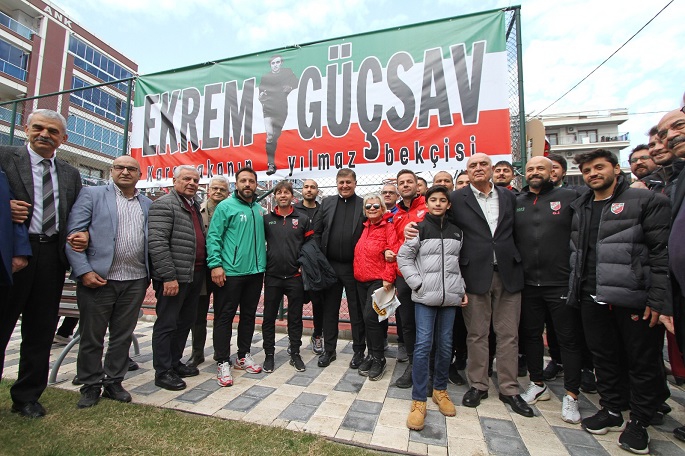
[587,136]
[98,101]
[90,135]
[13,61]
[93,62]
[553,139]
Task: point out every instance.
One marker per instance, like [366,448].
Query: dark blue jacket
[14,237]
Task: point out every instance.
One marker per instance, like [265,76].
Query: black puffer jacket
[171,239]
[632,254]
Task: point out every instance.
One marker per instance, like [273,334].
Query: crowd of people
[481,269]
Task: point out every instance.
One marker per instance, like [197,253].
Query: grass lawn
[112,428]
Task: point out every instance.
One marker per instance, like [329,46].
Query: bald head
[538,173]
[479,169]
[445,179]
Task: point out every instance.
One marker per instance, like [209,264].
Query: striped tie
[49,212]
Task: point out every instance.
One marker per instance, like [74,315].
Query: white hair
[179,168]
[50,114]
[222,179]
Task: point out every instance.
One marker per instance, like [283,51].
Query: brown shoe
[417,415]
[442,399]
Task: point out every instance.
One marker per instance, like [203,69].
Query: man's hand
[390,256]
[93,280]
[639,184]
[79,241]
[465,300]
[651,315]
[170,288]
[667,322]
[19,263]
[20,210]
[218,276]
[410,231]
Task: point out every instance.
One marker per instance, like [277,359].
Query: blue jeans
[432,322]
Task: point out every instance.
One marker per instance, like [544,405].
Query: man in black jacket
[491,266]
[341,227]
[286,229]
[542,232]
[619,279]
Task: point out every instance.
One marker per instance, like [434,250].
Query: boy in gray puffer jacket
[430,266]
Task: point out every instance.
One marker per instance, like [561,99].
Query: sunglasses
[375,206]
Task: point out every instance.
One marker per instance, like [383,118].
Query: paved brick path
[337,402]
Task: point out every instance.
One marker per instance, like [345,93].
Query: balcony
[6,115]
[575,139]
[16,26]
[13,70]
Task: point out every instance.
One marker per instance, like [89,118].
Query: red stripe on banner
[415,147]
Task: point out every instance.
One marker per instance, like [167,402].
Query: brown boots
[444,403]
[417,415]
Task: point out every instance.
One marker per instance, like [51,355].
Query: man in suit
[491,266]
[111,278]
[46,189]
[341,227]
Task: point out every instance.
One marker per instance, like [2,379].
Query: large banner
[423,97]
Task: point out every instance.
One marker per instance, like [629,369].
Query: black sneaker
[90,395]
[365,366]
[455,377]
[552,371]
[377,369]
[271,169]
[405,379]
[357,360]
[268,365]
[603,422]
[635,438]
[588,383]
[326,359]
[116,392]
[184,371]
[296,362]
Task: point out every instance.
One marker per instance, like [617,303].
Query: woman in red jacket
[374,267]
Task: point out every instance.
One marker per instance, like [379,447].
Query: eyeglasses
[677,125]
[637,159]
[388,192]
[375,206]
[219,189]
[130,169]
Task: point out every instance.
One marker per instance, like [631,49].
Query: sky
[563,41]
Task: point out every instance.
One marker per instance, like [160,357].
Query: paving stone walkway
[338,403]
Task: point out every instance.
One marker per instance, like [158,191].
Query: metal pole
[124,150]
[13,121]
[522,111]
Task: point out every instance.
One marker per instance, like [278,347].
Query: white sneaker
[223,374]
[535,393]
[248,364]
[569,410]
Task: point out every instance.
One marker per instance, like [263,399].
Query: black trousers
[238,291]
[535,301]
[617,335]
[115,306]
[66,329]
[199,328]
[406,311]
[374,329]
[175,316]
[331,309]
[35,296]
[459,336]
[316,298]
[274,289]
[555,350]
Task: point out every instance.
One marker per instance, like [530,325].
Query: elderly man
[217,191]
[236,255]
[176,241]
[390,197]
[46,189]
[491,266]
[111,278]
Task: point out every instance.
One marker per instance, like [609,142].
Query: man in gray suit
[46,188]
[112,278]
